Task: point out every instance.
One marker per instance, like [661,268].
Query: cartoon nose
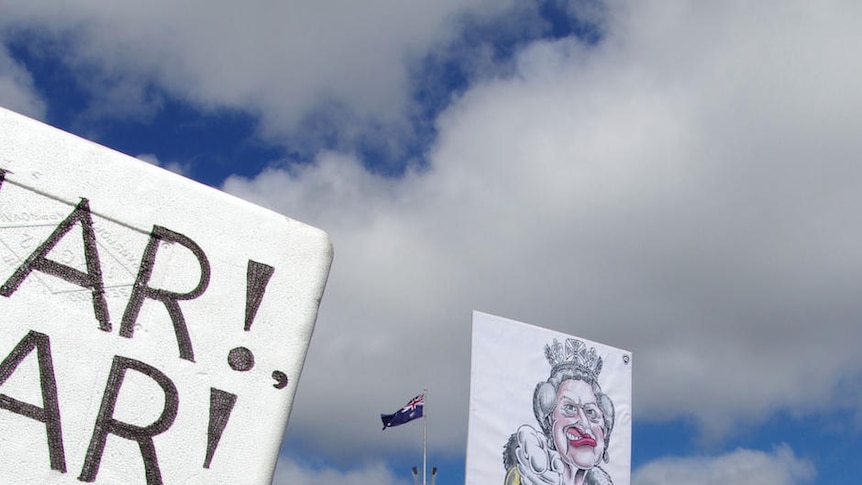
[581,414]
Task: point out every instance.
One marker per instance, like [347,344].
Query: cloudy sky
[679,179]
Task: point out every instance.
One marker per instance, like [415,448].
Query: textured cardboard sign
[152,329]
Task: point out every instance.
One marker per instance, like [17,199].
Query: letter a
[50,413]
[91,280]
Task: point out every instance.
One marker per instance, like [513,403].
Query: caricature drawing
[575,422]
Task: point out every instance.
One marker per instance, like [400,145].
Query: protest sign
[152,329]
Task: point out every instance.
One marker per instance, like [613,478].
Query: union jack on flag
[412,410]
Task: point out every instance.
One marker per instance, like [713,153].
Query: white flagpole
[424,434]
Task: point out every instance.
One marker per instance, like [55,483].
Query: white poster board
[152,329]
[548,405]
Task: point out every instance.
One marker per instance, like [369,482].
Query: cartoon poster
[546,408]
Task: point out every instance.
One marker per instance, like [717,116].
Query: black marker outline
[106,424]
[257,277]
[91,280]
[221,405]
[50,413]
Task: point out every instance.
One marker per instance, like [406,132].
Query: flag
[412,410]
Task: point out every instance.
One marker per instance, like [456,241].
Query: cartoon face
[578,425]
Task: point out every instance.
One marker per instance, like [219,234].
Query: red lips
[577,438]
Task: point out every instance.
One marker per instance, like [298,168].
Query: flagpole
[424,436]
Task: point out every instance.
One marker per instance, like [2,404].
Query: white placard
[546,407]
[152,329]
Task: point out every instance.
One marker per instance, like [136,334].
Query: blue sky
[679,179]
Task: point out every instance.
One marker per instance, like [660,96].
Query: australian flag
[412,410]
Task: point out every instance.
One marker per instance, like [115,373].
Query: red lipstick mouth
[578,438]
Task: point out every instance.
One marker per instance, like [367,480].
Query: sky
[678,179]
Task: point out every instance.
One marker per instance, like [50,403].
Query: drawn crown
[574,352]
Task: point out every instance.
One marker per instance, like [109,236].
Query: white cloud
[686,189]
[16,88]
[281,60]
[752,467]
[289,472]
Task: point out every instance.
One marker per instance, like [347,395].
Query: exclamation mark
[257,277]
[240,358]
[221,405]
